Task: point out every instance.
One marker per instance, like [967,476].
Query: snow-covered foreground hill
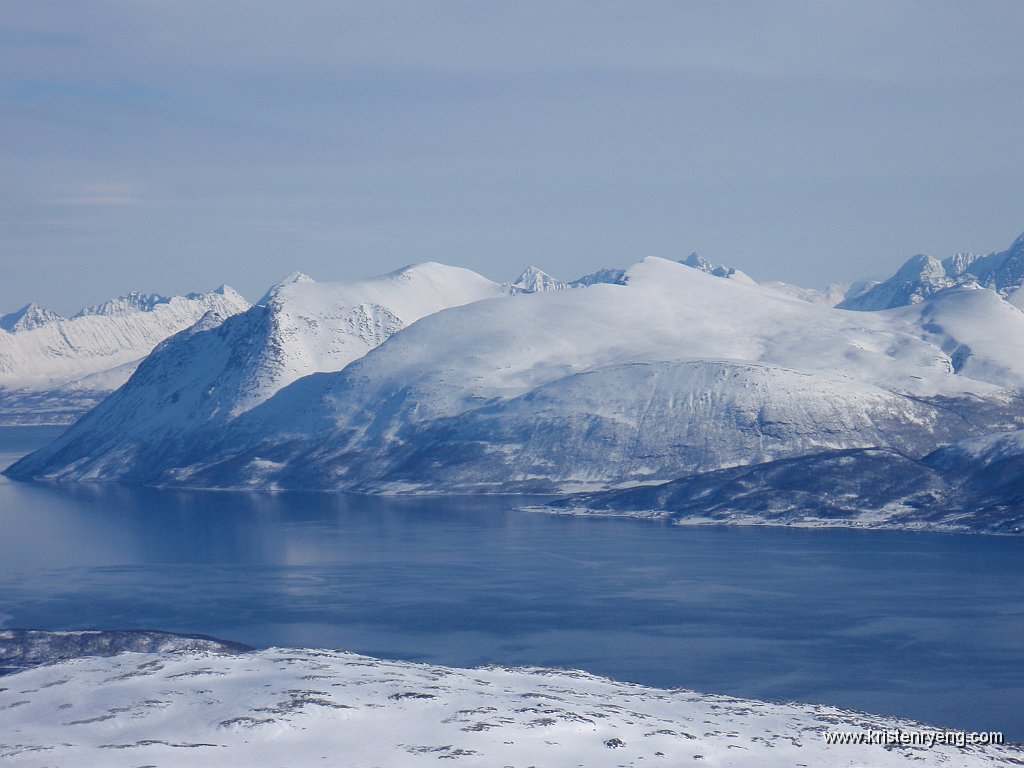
[675,372]
[310,708]
[53,369]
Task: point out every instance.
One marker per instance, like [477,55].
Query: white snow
[319,327]
[308,708]
[534,280]
[62,352]
[985,450]
[922,276]
[829,296]
[28,317]
[676,371]
[982,334]
[696,261]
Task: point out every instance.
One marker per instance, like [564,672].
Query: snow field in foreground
[310,708]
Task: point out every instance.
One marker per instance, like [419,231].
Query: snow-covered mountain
[54,369]
[534,280]
[219,368]
[28,317]
[696,261]
[830,296]
[922,276]
[302,327]
[306,707]
[43,351]
[611,276]
[674,373]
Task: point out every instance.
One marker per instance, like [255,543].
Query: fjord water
[929,626]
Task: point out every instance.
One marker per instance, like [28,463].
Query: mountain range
[54,368]
[663,387]
[922,276]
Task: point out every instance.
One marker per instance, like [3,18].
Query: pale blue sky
[174,146]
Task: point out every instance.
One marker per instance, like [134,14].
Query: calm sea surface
[929,626]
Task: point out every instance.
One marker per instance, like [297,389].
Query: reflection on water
[923,625]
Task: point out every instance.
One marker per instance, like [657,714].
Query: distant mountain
[27,318]
[49,351]
[829,296]
[294,278]
[673,373]
[696,261]
[533,280]
[602,276]
[206,376]
[53,369]
[922,276]
[134,303]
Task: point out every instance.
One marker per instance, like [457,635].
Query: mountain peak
[696,261]
[295,278]
[535,280]
[922,276]
[959,263]
[228,292]
[124,305]
[612,276]
[28,317]
[102,343]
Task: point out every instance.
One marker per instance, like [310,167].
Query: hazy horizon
[170,148]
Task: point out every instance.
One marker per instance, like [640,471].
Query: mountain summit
[27,318]
[534,280]
[922,276]
[696,261]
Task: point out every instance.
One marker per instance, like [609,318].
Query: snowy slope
[696,261]
[922,276]
[28,317]
[534,280]
[918,278]
[25,648]
[986,473]
[305,708]
[982,451]
[674,373]
[209,374]
[952,489]
[304,327]
[829,296]
[55,352]
[613,276]
[982,335]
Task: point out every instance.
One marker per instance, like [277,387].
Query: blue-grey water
[929,626]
